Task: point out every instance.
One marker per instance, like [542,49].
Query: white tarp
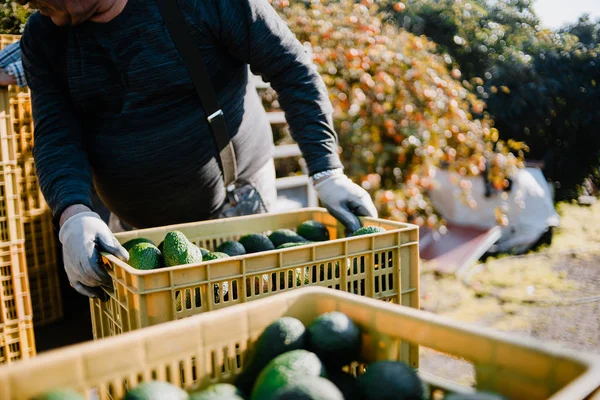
[528,206]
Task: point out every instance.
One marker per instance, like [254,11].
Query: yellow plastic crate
[11,224]
[16,329]
[211,348]
[16,341]
[383,266]
[42,268]
[32,200]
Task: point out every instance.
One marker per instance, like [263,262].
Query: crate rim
[402,227]
[586,381]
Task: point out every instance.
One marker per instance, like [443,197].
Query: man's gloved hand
[84,236]
[345,200]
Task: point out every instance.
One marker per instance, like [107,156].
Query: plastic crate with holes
[42,268]
[16,326]
[384,266]
[11,223]
[212,347]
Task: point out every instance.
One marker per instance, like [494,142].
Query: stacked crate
[40,241]
[16,323]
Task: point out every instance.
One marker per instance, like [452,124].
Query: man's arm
[254,33]
[11,71]
[61,163]
[16,71]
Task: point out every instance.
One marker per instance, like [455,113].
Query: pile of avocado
[292,362]
[176,249]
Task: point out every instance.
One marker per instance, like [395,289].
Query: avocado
[178,250]
[256,242]
[335,338]
[293,244]
[285,369]
[214,256]
[475,396]
[156,391]
[232,248]
[130,243]
[309,389]
[145,256]
[218,391]
[313,231]
[346,383]
[389,380]
[283,335]
[60,394]
[161,246]
[283,236]
[203,251]
[368,230]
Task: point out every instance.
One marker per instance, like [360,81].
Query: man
[115,108]
[11,72]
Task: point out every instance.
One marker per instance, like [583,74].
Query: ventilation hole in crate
[354,268]
[376,281]
[182,374]
[111,391]
[197,297]
[290,279]
[12,312]
[168,374]
[217,293]
[125,385]
[362,264]
[238,356]
[274,282]
[248,287]
[227,362]
[390,281]
[194,369]
[234,290]
[384,286]
[376,261]
[5,271]
[226,288]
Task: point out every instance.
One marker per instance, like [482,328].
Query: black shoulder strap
[186,46]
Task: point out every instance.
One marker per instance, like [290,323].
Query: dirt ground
[550,295]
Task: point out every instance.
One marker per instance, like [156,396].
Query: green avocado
[313,231]
[232,248]
[283,335]
[256,243]
[145,256]
[178,250]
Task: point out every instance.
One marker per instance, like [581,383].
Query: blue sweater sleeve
[61,163]
[254,33]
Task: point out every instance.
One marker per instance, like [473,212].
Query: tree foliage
[399,110]
[12,17]
[540,86]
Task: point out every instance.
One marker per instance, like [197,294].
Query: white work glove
[84,236]
[345,200]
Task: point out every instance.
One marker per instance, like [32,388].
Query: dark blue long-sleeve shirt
[114,106]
